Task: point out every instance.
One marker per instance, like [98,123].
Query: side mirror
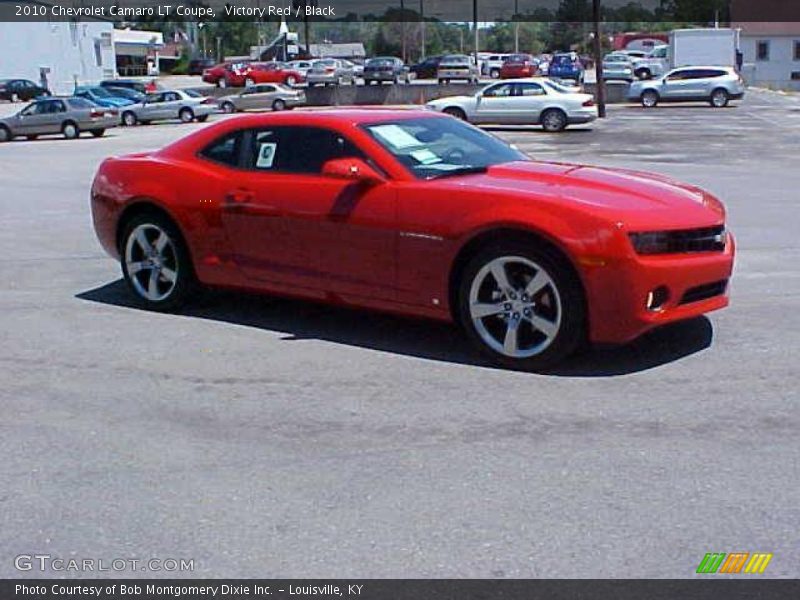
[353,169]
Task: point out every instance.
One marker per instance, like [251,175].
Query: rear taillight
[330,69]
[208,101]
[589,103]
[96,114]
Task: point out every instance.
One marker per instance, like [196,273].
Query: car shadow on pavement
[432,340]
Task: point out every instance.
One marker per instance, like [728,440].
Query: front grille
[706,239]
[704,292]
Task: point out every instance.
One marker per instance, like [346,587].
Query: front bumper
[577,117]
[618,292]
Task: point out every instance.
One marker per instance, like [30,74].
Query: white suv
[715,85]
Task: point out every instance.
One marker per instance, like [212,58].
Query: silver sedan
[185,105]
[69,116]
[263,96]
[522,102]
[330,71]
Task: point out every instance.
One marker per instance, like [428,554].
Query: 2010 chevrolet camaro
[417,213]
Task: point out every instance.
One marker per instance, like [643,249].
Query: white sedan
[186,105]
[536,101]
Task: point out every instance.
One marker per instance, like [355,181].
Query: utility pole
[475,25]
[403,30]
[598,61]
[422,28]
[516,27]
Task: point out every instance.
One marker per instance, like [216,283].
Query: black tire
[176,258]
[719,98]
[553,120]
[456,112]
[70,130]
[129,118]
[494,73]
[5,134]
[279,104]
[643,74]
[570,307]
[291,80]
[649,99]
[186,115]
[98,132]
[228,107]
[202,118]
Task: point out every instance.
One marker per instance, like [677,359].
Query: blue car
[102,96]
[566,65]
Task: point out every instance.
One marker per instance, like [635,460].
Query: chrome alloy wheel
[151,262]
[515,306]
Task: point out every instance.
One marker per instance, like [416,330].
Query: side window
[31,109]
[677,76]
[298,149]
[224,150]
[502,90]
[530,89]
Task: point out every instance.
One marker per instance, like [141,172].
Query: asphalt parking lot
[275,438]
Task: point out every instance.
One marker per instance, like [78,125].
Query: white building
[138,51]
[771,54]
[58,54]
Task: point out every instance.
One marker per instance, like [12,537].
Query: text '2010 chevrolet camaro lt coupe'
[417,213]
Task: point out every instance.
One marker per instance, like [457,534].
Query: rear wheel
[70,130]
[5,134]
[129,118]
[291,80]
[155,262]
[279,105]
[554,120]
[521,305]
[186,115]
[228,107]
[98,132]
[456,112]
[719,98]
[649,99]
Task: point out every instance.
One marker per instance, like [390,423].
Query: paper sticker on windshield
[395,136]
[266,155]
[425,156]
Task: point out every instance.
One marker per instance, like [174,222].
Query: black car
[198,65]
[385,68]
[21,89]
[427,68]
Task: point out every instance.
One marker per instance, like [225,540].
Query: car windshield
[518,58]
[193,94]
[380,62]
[435,147]
[455,60]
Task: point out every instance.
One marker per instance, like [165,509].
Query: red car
[518,65]
[253,73]
[216,74]
[417,213]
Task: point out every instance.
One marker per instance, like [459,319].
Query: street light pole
[516,27]
[422,28]
[475,25]
[600,86]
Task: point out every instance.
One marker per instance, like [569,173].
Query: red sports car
[518,65]
[216,74]
[417,213]
[254,73]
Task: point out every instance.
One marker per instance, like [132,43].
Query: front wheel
[186,115]
[649,99]
[279,105]
[554,120]
[719,98]
[129,118]
[228,107]
[155,262]
[291,80]
[494,73]
[522,305]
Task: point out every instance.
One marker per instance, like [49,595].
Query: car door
[676,85]
[327,234]
[153,107]
[494,104]
[527,102]
[172,105]
[33,119]
[261,97]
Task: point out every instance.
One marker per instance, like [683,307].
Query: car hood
[451,100]
[635,198]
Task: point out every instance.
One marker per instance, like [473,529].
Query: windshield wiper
[459,171]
